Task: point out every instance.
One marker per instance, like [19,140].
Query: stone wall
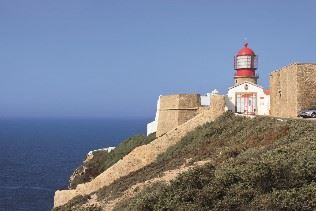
[292,89]
[283,96]
[306,79]
[175,110]
[217,105]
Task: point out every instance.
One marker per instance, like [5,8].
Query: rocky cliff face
[89,168]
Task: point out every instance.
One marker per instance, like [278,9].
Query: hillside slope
[270,165]
[138,158]
[100,161]
[261,163]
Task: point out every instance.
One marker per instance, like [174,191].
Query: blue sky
[80,58]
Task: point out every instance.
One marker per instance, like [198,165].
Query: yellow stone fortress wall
[306,79]
[175,110]
[293,88]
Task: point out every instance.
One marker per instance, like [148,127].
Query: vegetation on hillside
[262,163]
[220,140]
[271,166]
[77,204]
[102,160]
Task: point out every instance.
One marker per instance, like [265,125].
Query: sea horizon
[38,155]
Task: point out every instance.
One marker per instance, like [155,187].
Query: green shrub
[256,164]
[124,148]
[102,160]
[270,165]
[77,204]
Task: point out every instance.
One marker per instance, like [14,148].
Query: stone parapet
[180,101]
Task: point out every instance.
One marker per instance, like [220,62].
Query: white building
[248,98]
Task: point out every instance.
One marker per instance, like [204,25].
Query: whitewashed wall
[206,99]
[152,126]
[263,100]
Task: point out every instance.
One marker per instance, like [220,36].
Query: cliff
[97,161]
[90,167]
[232,162]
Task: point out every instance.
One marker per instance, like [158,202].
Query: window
[243,62]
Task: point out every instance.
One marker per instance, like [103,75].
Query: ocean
[37,156]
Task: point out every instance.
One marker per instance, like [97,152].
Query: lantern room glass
[245,62]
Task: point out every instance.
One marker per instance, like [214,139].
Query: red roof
[267,91]
[245,51]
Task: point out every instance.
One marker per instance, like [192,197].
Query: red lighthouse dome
[245,65]
[245,51]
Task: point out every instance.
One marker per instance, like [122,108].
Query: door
[246,103]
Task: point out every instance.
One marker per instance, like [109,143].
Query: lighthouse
[245,65]
[246,96]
